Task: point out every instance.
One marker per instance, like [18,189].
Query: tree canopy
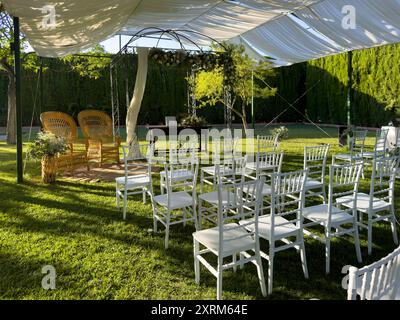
[247,82]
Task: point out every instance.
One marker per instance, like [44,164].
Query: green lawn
[76,228]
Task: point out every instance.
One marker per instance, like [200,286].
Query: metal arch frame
[180,35]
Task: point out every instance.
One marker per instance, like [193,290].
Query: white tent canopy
[289,31]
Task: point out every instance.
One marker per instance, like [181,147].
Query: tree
[209,85]
[30,61]
[6,67]
[90,63]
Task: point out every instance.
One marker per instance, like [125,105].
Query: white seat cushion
[363,203]
[210,239]
[266,190]
[312,184]
[211,170]
[319,213]
[212,197]
[283,227]
[179,175]
[134,181]
[347,156]
[263,166]
[178,200]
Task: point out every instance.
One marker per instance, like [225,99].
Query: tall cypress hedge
[376,88]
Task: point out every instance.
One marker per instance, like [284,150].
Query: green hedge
[376,85]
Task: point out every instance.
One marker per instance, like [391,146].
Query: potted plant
[193,120]
[45,148]
[281,133]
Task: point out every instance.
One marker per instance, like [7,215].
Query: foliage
[376,84]
[46,144]
[193,120]
[211,84]
[282,133]
[89,64]
[221,59]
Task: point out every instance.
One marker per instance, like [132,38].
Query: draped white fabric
[264,27]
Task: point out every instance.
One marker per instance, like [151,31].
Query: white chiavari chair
[337,220]
[378,205]
[229,239]
[284,223]
[377,281]
[180,196]
[315,159]
[231,171]
[137,178]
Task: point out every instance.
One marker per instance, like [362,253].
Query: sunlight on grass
[76,228]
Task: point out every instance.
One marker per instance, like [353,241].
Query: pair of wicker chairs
[98,145]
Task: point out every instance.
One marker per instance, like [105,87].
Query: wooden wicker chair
[97,127]
[63,125]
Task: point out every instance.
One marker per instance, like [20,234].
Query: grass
[76,228]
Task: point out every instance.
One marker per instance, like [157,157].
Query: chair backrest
[181,175]
[315,161]
[268,162]
[95,124]
[377,281]
[383,179]
[231,170]
[343,181]
[60,124]
[240,200]
[137,163]
[267,143]
[380,142]
[357,143]
[287,199]
[225,149]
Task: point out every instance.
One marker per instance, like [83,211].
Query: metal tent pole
[17,79]
[349,89]
[252,98]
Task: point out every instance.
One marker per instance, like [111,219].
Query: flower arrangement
[203,60]
[46,144]
[282,133]
[45,148]
[193,120]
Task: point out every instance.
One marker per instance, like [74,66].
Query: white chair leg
[260,273]
[167,232]
[324,194]
[369,235]
[303,256]
[271,268]
[144,195]
[184,216]
[241,257]
[196,221]
[124,205]
[196,261]
[327,252]
[117,198]
[201,181]
[219,279]
[357,243]
[234,261]
[394,227]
